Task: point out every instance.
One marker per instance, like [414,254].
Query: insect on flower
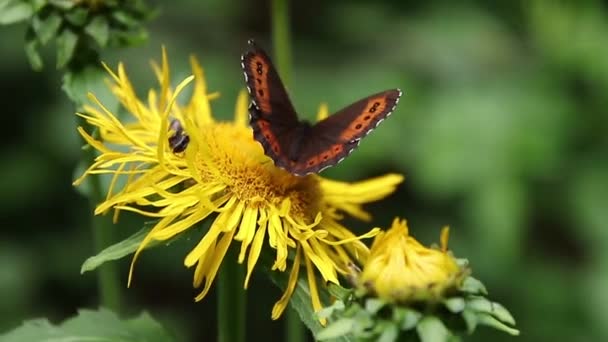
[180,139]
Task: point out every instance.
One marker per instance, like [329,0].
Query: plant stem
[108,281]
[232,306]
[281,39]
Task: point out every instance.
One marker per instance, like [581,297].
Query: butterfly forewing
[266,89]
[335,137]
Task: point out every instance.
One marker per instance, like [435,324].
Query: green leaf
[455,304]
[339,291]
[125,18]
[473,286]
[431,329]
[78,16]
[15,11]
[489,320]
[389,333]
[481,304]
[90,325]
[373,305]
[407,318]
[37,5]
[470,319]
[91,79]
[339,328]
[63,4]
[46,28]
[300,300]
[326,312]
[66,45]
[99,29]
[117,250]
[31,51]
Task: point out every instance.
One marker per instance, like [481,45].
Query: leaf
[78,16]
[336,329]
[300,300]
[63,4]
[373,305]
[473,286]
[326,312]
[339,291]
[407,318]
[117,250]
[90,325]
[489,320]
[78,83]
[481,304]
[15,11]
[46,28]
[455,304]
[99,29]
[66,45]
[389,333]
[125,18]
[31,51]
[431,329]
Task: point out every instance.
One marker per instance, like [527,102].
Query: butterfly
[298,146]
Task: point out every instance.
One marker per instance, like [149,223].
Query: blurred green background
[502,133]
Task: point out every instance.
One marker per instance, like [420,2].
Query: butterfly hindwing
[335,137]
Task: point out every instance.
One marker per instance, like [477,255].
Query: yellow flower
[222,171]
[400,269]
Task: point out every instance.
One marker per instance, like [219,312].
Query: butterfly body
[297,146]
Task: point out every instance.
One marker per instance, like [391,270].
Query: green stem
[108,281]
[232,304]
[281,39]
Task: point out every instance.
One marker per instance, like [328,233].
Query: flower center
[229,155]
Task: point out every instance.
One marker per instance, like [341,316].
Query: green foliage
[371,319]
[100,325]
[80,28]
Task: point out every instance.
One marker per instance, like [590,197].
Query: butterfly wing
[335,137]
[272,116]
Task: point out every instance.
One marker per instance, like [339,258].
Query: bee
[179,140]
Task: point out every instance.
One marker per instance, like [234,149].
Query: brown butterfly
[297,146]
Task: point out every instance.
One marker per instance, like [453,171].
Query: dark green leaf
[46,28]
[125,18]
[455,304]
[300,300]
[37,5]
[89,325]
[66,45]
[99,30]
[486,319]
[77,16]
[118,250]
[339,328]
[31,51]
[15,11]
[129,38]
[63,4]
[77,84]
[431,329]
